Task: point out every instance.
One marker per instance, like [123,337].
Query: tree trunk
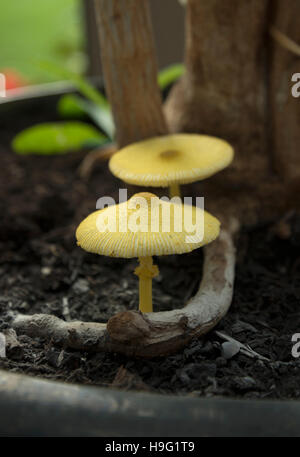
[237,86]
[285,109]
[130,70]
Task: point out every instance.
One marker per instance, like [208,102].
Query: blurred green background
[34,31]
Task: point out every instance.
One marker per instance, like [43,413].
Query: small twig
[283,227]
[66,309]
[285,41]
[97,155]
[244,349]
[58,232]
[9,344]
[60,358]
[2,345]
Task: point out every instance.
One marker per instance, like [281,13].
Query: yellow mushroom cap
[142,227]
[180,158]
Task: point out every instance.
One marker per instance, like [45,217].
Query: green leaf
[97,105]
[170,74]
[79,82]
[68,106]
[56,138]
[101,117]
[75,106]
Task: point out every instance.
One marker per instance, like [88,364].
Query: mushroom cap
[164,160]
[112,230]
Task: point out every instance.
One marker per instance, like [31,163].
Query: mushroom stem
[145,290]
[146,271]
[174,190]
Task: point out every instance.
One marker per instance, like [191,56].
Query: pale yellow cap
[172,159]
[139,227]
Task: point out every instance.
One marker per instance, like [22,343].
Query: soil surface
[42,270]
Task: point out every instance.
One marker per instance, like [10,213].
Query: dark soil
[42,270]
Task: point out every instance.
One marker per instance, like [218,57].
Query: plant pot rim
[38,91]
[38,407]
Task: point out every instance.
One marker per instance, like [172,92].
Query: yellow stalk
[145,289]
[174,190]
[146,271]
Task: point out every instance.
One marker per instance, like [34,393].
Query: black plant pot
[34,407]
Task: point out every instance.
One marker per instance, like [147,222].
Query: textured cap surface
[164,160]
[146,225]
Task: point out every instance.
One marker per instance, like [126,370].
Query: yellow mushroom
[171,160]
[145,226]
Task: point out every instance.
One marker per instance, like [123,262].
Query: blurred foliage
[59,138]
[35,30]
[97,106]
[69,107]
[56,138]
[170,74]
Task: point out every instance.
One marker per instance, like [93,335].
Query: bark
[285,109]
[130,69]
[237,86]
[224,91]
